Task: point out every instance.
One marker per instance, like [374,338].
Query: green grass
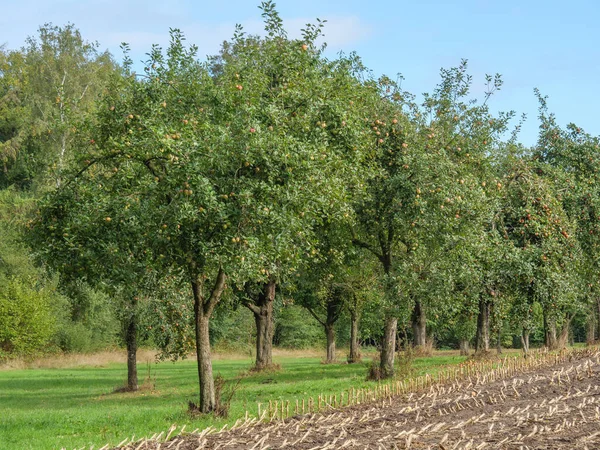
[75,408]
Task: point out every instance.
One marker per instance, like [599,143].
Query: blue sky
[552,45]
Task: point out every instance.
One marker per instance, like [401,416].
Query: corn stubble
[544,401]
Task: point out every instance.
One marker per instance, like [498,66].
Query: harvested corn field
[544,404]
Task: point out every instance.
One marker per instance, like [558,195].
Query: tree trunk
[550,333]
[330,332]
[464,347]
[354,355]
[388,348]
[482,338]
[263,317]
[264,340]
[499,342]
[525,341]
[203,308]
[590,334]
[205,375]
[561,341]
[333,308]
[598,316]
[419,326]
[131,342]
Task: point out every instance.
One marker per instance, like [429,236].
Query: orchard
[160,206]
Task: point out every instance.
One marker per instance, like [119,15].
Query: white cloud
[340,34]
[142,23]
[339,31]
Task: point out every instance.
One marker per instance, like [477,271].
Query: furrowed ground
[545,404]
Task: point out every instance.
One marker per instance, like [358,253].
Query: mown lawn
[77,407]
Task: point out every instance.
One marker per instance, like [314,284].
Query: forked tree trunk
[330,332]
[333,309]
[388,348]
[203,308]
[482,338]
[262,309]
[525,341]
[131,343]
[354,355]
[419,325]
[465,347]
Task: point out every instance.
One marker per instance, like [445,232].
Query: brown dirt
[555,407]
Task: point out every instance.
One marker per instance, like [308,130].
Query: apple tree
[428,193]
[572,156]
[292,105]
[546,258]
[226,172]
[89,233]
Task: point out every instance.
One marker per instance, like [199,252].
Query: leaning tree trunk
[525,341]
[203,308]
[464,347]
[419,326]
[354,355]
[388,348]
[263,317]
[482,338]
[131,342]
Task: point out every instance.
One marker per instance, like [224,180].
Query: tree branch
[88,165]
[315,315]
[251,306]
[83,93]
[215,295]
[366,246]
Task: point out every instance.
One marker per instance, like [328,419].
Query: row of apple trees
[271,173]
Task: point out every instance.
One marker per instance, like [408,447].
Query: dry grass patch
[72,360]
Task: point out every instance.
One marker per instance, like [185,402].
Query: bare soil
[556,407]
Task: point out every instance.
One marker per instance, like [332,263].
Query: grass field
[76,407]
